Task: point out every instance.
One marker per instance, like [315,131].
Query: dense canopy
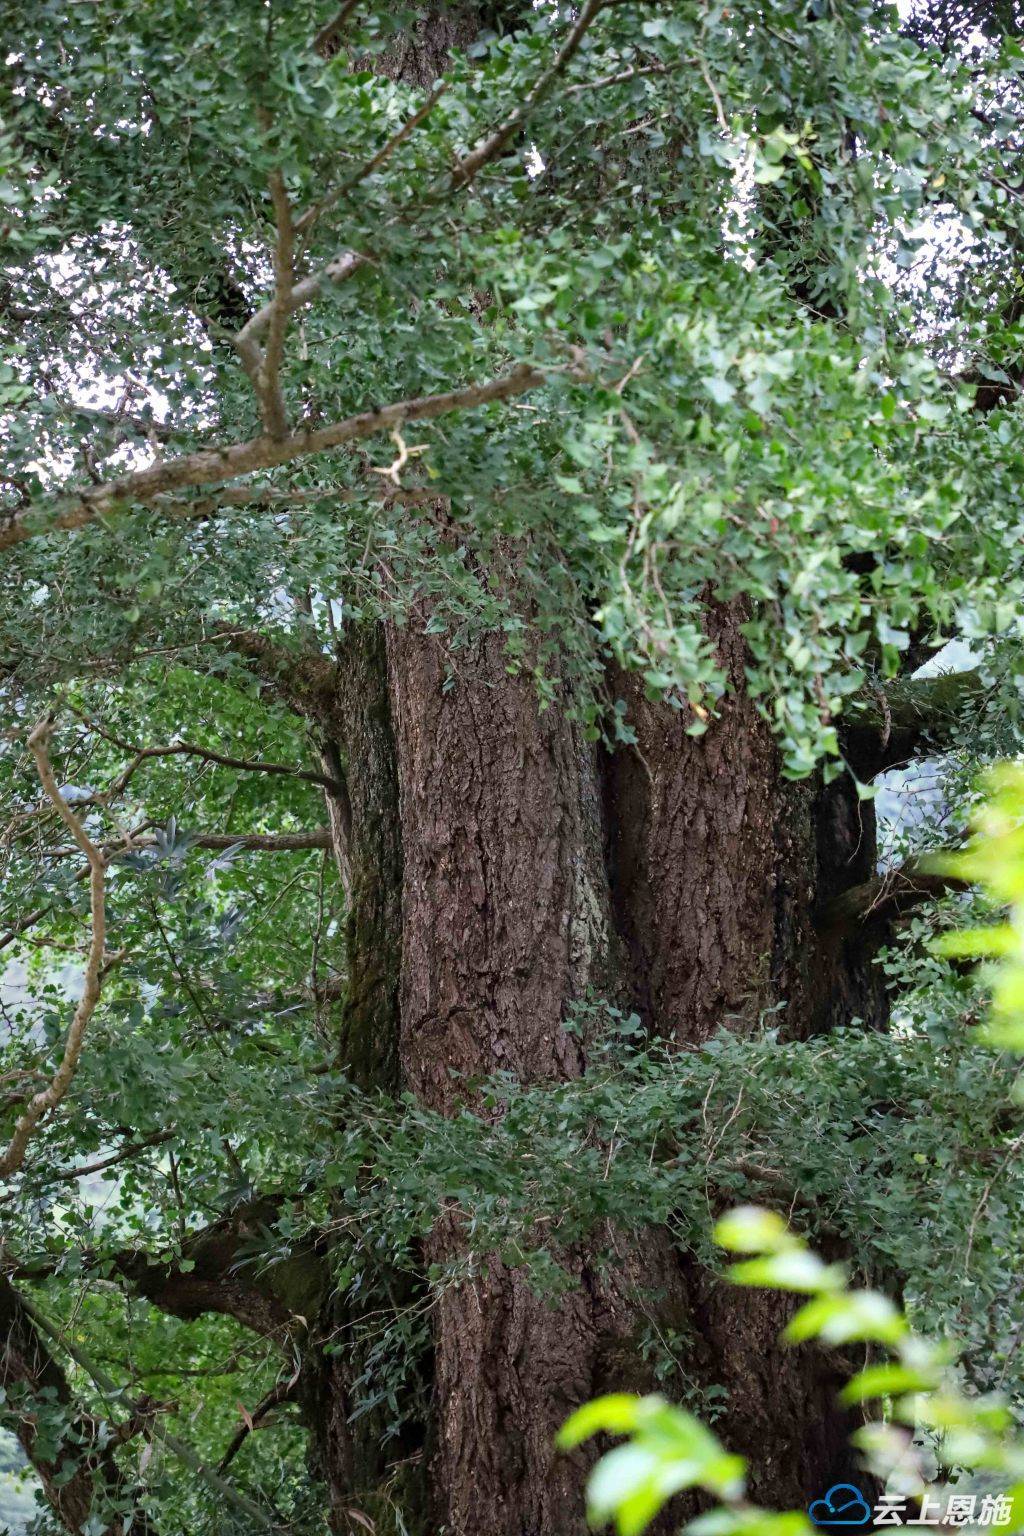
[642,377]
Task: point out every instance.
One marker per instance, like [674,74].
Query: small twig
[634,369]
[619,79]
[65,1175]
[47,1099]
[282,1393]
[206,754]
[252,842]
[1013,1148]
[393,470]
[719,109]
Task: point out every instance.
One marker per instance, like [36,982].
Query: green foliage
[995,860]
[763,261]
[667,1450]
[677,247]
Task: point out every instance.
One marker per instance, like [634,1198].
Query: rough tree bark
[682,877]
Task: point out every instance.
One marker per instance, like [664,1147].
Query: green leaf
[616,1414]
[792,1270]
[752,1229]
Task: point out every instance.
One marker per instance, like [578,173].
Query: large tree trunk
[682,877]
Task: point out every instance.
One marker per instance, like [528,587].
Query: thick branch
[215,465]
[48,1098]
[911,719]
[264,842]
[305,680]
[888,895]
[225,1275]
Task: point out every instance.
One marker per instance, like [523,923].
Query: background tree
[480,487]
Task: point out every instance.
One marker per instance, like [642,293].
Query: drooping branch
[216,464]
[112,1160]
[245,765]
[907,720]
[47,1099]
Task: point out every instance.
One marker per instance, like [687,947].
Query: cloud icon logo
[843,1504]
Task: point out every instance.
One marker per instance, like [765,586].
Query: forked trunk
[680,877]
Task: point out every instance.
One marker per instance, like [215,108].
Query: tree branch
[909,719]
[47,1099]
[888,895]
[337,270]
[135,1149]
[467,169]
[142,1412]
[383,154]
[264,367]
[214,465]
[190,749]
[284,1392]
[223,1273]
[329,33]
[251,842]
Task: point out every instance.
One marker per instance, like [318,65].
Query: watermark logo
[844,1504]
